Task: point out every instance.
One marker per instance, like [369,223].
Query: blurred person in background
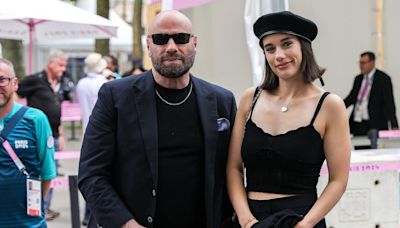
[86,93]
[137,68]
[108,74]
[112,64]
[372,99]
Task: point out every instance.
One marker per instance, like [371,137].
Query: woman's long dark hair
[309,68]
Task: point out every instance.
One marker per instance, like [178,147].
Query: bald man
[155,148]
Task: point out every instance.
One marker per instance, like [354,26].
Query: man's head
[367,62]
[112,63]
[94,63]
[56,64]
[8,82]
[171,44]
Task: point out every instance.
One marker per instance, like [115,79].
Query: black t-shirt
[180,193]
[39,94]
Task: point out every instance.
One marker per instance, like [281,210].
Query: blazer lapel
[146,107]
[207,104]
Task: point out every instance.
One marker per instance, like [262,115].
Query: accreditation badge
[33,197]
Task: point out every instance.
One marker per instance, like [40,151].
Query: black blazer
[381,107]
[118,165]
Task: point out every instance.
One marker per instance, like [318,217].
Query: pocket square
[223,124]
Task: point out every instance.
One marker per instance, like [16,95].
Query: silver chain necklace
[177,103]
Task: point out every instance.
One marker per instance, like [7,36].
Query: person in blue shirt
[33,143]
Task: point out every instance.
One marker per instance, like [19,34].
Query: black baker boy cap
[285,22]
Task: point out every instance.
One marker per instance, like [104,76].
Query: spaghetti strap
[257,93]
[321,100]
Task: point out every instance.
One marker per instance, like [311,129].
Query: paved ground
[61,199]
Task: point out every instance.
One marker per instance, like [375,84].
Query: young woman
[283,132]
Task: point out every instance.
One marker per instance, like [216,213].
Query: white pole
[253,10]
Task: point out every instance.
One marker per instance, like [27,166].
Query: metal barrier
[74,200]
[72,183]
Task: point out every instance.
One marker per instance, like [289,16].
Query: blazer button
[150,219]
[153,192]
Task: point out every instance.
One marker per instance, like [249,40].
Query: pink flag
[183,4]
[153,1]
[179,4]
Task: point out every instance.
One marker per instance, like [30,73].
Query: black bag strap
[257,94]
[12,122]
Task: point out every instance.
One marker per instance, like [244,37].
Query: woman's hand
[302,224]
[251,223]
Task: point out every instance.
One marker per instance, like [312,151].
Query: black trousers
[359,129]
[300,204]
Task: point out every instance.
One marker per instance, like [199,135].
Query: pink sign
[183,4]
[67,155]
[369,167]
[389,134]
[59,182]
[180,4]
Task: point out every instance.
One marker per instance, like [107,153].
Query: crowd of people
[165,148]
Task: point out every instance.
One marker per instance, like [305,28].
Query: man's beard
[4,100]
[174,70]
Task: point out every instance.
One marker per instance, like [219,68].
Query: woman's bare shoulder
[246,99]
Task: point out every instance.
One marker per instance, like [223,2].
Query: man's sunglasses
[179,38]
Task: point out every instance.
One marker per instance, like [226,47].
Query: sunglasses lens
[179,38]
[160,39]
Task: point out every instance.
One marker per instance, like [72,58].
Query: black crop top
[288,163]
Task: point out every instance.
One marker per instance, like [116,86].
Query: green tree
[12,50]
[137,50]
[102,46]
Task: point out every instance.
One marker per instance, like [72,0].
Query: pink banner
[61,155]
[153,1]
[180,4]
[389,134]
[369,167]
[59,182]
[183,4]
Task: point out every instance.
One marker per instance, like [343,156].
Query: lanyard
[14,157]
[3,137]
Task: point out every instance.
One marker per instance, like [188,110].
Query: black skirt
[282,212]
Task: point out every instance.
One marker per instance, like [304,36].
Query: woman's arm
[235,185]
[337,147]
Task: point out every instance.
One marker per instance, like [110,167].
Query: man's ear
[16,82]
[148,42]
[195,41]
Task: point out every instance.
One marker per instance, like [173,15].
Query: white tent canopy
[31,22]
[123,41]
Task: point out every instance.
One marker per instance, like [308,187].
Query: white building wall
[222,54]
[346,29]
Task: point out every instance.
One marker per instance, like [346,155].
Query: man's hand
[132,224]
[61,143]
